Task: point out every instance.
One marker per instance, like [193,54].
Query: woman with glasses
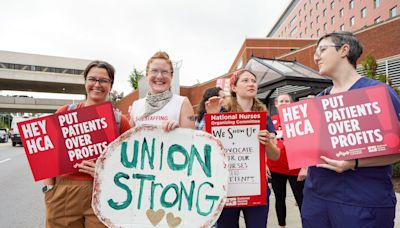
[68,197]
[161,106]
[353,193]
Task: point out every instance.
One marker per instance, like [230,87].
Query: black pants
[279,186]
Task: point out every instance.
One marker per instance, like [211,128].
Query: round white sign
[151,178]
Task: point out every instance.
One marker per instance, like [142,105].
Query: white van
[15,137]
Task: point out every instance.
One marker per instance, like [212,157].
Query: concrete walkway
[293,219]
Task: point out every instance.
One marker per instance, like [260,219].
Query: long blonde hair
[233,105]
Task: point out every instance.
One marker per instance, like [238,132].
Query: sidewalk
[293,219]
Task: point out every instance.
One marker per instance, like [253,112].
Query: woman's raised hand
[214,104]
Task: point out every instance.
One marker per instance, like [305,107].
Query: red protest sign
[55,143]
[355,124]
[238,133]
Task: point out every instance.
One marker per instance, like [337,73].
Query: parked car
[4,135]
[15,137]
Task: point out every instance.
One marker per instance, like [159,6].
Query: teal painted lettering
[142,178]
[153,187]
[208,197]
[163,201]
[150,156]
[205,164]
[161,154]
[189,196]
[170,159]
[124,155]
[127,202]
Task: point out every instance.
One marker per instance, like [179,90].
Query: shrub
[396,169]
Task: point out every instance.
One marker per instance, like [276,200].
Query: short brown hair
[343,37]
[100,64]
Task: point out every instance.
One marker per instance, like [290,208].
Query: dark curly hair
[210,92]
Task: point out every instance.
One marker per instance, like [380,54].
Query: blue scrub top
[366,187]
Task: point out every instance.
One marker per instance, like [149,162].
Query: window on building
[332,4]
[393,11]
[324,13]
[377,3]
[325,27]
[305,6]
[305,18]
[293,32]
[318,32]
[310,12]
[333,20]
[311,25]
[351,4]
[293,21]
[299,12]
[363,12]
[342,27]
[312,35]
[317,5]
[300,35]
[341,12]
[317,19]
[305,30]
[377,20]
[352,21]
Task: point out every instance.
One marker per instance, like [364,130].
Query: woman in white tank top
[160,106]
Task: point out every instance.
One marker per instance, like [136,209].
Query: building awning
[281,76]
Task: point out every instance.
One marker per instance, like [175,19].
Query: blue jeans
[254,217]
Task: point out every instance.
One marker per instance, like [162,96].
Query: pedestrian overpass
[39,73]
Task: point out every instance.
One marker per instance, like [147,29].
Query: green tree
[134,78]
[115,96]
[370,67]
[5,120]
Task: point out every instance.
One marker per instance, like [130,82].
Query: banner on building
[224,84]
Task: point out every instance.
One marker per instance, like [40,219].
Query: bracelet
[356,164]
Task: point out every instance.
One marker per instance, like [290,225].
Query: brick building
[313,18]
[380,40]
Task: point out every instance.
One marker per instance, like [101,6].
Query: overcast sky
[206,35]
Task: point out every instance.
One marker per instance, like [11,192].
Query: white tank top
[171,111]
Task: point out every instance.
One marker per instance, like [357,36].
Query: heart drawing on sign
[155,216]
[173,221]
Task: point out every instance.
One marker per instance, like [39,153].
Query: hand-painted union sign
[150,178]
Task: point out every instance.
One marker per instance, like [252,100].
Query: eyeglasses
[102,81]
[155,72]
[322,48]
